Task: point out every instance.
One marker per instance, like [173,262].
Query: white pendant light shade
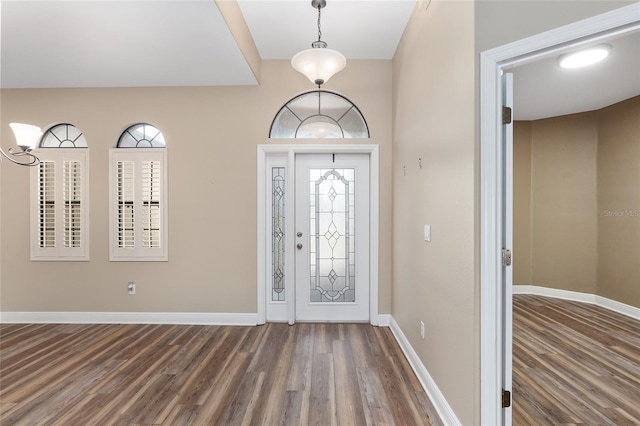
[319,64]
[27,135]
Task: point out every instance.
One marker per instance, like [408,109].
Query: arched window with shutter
[60,196]
[138,191]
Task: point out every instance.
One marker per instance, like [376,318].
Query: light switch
[427,232]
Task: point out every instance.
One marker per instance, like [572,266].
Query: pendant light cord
[319,31]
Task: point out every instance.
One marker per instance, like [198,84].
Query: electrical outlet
[132,287]
[422,329]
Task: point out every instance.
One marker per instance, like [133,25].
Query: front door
[332,237]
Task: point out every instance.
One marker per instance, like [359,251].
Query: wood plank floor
[574,363]
[306,374]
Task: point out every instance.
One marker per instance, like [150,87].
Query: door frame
[263,240]
[492,63]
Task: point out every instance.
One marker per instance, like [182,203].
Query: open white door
[507,244]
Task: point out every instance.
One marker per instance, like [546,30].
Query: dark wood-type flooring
[307,374]
[574,363]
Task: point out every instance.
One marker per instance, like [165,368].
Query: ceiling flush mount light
[584,57]
[27,137]
[319,63]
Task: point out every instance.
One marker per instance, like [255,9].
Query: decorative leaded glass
[141,135]
[332,242]
[319,114]
[278,294]
[63,136]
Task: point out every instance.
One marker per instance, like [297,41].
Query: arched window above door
[319,114]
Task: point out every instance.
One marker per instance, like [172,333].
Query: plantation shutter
[138,218]
[72,197]
[47,204]
[151,197]
[126,230]
[60,206]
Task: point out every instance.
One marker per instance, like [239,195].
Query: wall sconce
[27,137]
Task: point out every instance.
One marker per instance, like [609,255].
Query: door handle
[299,246]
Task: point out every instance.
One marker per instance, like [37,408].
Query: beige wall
[619,202]
[433,81]
[584,181]
[212,134]
[522,203]
[499,22]
[564,202]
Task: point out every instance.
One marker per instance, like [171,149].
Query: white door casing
[285,155]
[332,238]
[507,245]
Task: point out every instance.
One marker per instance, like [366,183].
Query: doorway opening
[495,343]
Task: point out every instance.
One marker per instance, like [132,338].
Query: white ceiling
[358,29]
[118,44]
[130,43]
[542,89]
[178,42]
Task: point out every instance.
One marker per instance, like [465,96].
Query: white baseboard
[129,318]
[384,320]
[447,415]
[575,296]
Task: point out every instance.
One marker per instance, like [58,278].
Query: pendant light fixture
[319,63]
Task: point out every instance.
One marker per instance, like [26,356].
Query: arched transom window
[63,136]
[319,114]
[141,135]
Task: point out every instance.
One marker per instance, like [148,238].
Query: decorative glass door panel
[332,237]
[280,276]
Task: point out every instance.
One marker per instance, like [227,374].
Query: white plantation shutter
[72,197]
[124,188]
[60,205]
[47,204]
[138,213]
[151,204]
